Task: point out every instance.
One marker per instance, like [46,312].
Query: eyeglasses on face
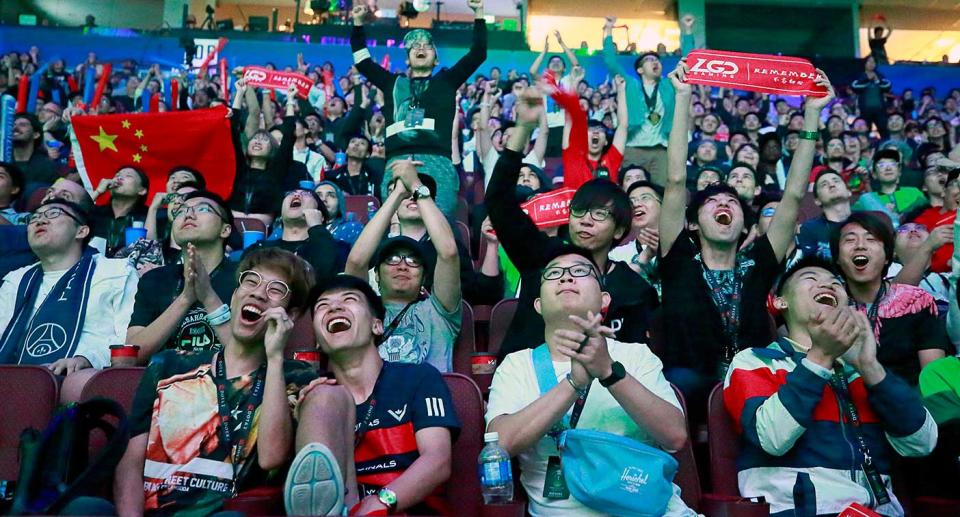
[199,208]
[576,271]
[911,227]
[52,213]
[276,290]
[409,260]
[597,214]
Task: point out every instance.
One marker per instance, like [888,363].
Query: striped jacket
[797,451]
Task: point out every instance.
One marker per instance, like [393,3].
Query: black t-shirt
[188,468]
[159,287]
[406,399]
[327,255]
[692,326]
[908,324]
[113,229]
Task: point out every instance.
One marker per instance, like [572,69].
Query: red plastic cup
[124,355]
[483,363]
[308,356]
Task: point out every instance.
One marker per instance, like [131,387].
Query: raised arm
[358,262]
[543,138]
[538,62]
[783,226]
[609,49]
[471,61]
[269,109]
[620,135]
[484,133]
[378,75]
[446,272]
[673,211]
[253,108]
[566,50]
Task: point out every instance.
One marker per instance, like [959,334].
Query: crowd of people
[798,253]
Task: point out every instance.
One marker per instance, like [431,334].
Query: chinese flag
[155,143]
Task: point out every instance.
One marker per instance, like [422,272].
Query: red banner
[753,72]
[264,78]
[550,208]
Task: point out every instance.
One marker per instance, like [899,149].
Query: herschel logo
[715,66]
[632,479]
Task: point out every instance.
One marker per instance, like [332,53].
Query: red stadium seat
[724,445]
[466,343]
[500,318]
[463,233]
[463,488]
[808,208]
[119,384]
[358,205]
[302,337]
[687,478]
[463,211]
[35,199]
[29,395]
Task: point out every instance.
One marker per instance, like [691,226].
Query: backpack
[55,466]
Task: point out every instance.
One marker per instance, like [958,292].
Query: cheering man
[419,105]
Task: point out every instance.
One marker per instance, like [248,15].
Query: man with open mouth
[421,328]
[418,104]
[821,418]
[889,197]
[903,317]
[707,277]
[208,424]
[374,435]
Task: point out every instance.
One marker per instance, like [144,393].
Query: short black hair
[33,120]
[876,223]
[16,177]
[572,249]
[701,196]
[886,154]
[823,172]
[197,176]
[78,211]
[629,167]
[344,282]
[645,184]
[226,215]
[804,263]
[603,193]
[144,179]
[639,61]
[744,165]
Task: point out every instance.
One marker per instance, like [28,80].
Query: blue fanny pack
[607,472]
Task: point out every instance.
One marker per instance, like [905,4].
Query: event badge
[554,484]
[602,172]
[654,117]
[875,481]
[414,118]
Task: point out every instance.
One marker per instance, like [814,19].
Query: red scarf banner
[550,208]
[264,78]
[753,72]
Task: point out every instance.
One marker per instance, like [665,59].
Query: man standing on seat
[374,432]
[420,106]
[68,308]
[630,398]
[420,329]
[209,424]
[820,418]
[707,278]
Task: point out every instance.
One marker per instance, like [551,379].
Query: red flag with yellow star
[155,143]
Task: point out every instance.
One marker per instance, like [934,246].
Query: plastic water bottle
[371,210]
[496,473]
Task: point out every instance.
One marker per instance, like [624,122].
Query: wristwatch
[617,374]
[388,498]
[421,191]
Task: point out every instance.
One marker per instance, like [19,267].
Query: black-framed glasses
[251,280]
[597,214]
[199,208]
[409,260]
[52,213]
[576,271]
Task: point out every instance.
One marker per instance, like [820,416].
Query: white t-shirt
[112,292]
[515,387]
[490,163]
[312,160]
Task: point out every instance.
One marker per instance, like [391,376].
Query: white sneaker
[314,484]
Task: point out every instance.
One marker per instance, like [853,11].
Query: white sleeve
[8,297]
[506,389]
[489,163]
[123,304]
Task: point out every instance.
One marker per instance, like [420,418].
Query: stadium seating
[500,318]
[466,344]
[359,206]
[723,441]
[29,395]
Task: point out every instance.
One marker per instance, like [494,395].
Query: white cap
[491,437]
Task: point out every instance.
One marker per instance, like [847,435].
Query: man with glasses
[420,105]
[128,192]
[304,217]
[641,253]
[936,217]
[888,196]
[207,424]
[419,328]
[67,309]
[630,396]
[600,215]
[171,307]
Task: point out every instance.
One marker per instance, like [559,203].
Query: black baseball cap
[391,245]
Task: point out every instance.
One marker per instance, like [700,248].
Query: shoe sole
[314,485]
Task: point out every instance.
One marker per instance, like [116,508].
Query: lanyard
[729,309]
[392,327]
[417,88]
[651,100]
[874,310]
[364,425]
[547,379]
[246,417]
[842,388]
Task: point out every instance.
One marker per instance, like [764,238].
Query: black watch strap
[617,374]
